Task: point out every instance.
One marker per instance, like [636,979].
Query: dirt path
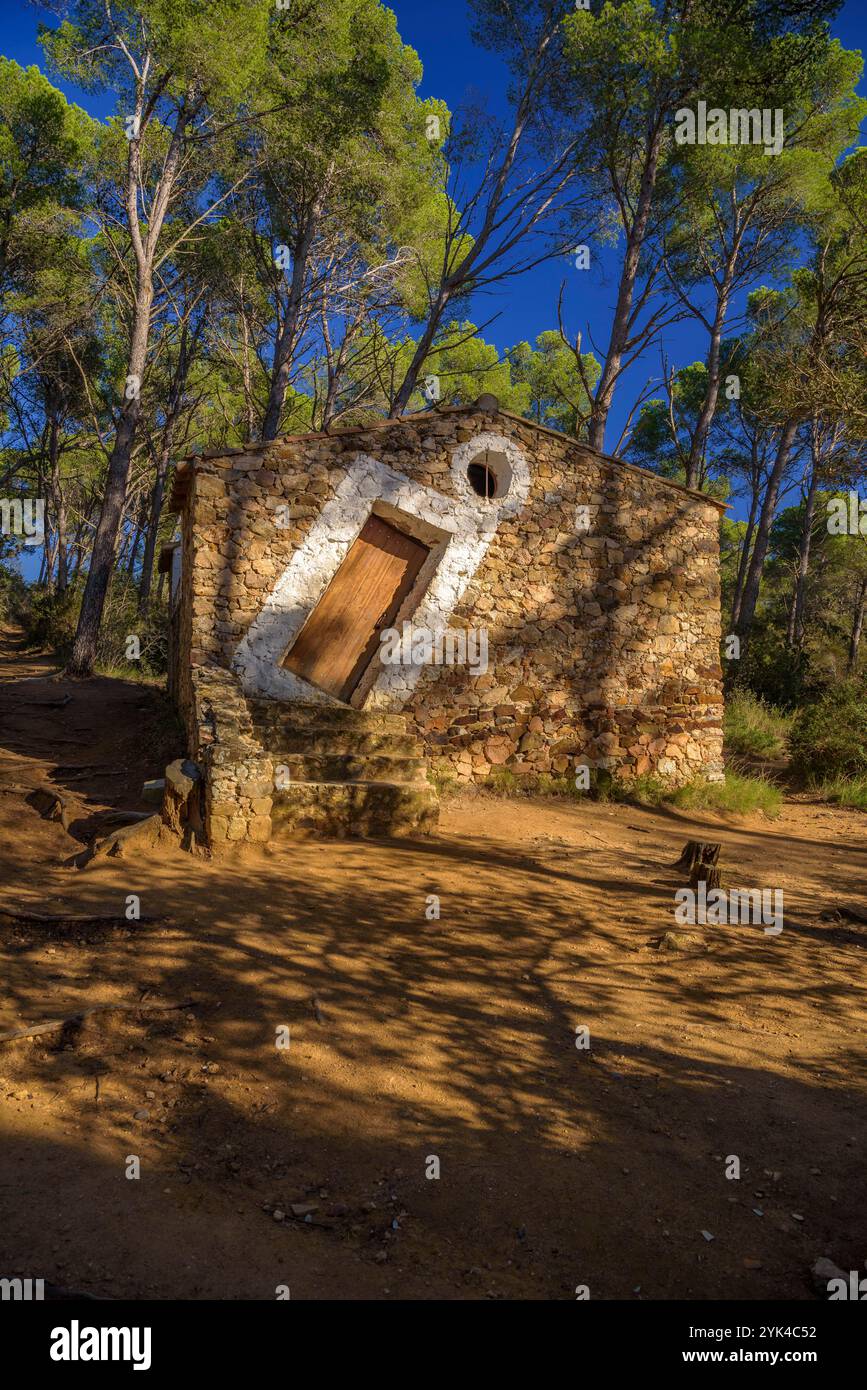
[414,1038]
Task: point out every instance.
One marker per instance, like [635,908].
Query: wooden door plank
[341,635]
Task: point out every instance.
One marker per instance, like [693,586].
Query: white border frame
[519,484]
[470,520]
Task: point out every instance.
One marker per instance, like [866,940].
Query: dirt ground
[412,1038]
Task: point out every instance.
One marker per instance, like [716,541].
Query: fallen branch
[82,774]
[76,1020]
[48,918]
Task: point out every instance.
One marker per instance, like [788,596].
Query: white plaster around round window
[490,475]
[498,467]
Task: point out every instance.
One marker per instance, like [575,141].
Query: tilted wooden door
[342,633]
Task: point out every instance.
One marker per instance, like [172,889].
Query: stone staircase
[344,771]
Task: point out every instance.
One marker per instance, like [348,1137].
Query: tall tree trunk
[62,561]
[763,533]
[857,625]
[58,501]
[50,550]
[423,347]
[284,348]
[102,556]
[153,526]
[133,546]
[188,347]
[795,633]
[330,403]
[746,551]
[46,568]
[334,362]
[247,380]
[105,540]
[620,328]
[78,553]
[711,395]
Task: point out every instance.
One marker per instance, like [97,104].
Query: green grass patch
[738,795]
[128,671]
[647,790]
[445,784]
[844,791]
[504,782]
[754,729]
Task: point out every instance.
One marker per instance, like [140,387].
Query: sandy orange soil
[412,1038]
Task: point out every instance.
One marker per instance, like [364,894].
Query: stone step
[293,714]
[328,766]
[341,743]
[339,809]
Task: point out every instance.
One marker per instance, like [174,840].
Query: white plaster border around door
[465,527]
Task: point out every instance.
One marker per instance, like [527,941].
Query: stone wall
[603,633]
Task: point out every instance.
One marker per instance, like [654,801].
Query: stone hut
[454,594]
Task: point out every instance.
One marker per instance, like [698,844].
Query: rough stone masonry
[597,584]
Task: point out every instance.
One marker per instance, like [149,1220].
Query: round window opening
[489,475]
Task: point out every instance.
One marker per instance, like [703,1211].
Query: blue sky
[456,70]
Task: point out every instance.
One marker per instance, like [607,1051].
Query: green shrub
[771,670]
[754,729]
[13,595]
[829,737]
[122,620]
[51,619]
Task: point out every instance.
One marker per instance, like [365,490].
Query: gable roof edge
[185,466]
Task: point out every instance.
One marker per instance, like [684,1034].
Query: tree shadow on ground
[456,1038]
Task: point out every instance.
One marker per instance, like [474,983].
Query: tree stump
[708,874]
[700,860]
